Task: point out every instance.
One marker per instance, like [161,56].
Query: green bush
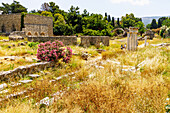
[33,45]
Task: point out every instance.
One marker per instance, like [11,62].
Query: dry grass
[110,89]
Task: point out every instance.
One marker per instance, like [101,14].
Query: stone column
[145,40]
[132,39]
[128,41]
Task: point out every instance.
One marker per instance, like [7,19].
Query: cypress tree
[118,23]
[113,21]
[154,24]
[105,14]
[109,18]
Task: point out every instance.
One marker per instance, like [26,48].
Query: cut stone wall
[33,24]
[36,29]
[36,23]
[86,41]
[67,40]
[10,22]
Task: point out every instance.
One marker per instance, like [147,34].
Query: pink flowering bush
[54,51]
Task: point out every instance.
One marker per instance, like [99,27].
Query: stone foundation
[67,40]
[23,70]
[86,41]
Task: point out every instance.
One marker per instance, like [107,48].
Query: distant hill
[148,20]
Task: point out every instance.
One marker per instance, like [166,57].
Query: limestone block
[34,75]
[25,81]
[2,86]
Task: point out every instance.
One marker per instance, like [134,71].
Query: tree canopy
[14,7]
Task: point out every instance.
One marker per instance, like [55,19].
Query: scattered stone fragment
[9,46]
[85,56]
[99,67]
[13,84]
[5,40]
[19,44]
[23,57]
[34,75]
[100,50]
[16,94]
[46,101]
[4,91]
[58,78]
[91,75]
[23,44]
[51,81]
[12,59]
[1,62]
[13,45]
[2,86]
[25,81]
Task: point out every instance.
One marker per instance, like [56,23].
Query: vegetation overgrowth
[94,89]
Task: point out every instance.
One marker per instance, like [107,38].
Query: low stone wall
[67,40]
[86,41]
[17,35]
[23,70]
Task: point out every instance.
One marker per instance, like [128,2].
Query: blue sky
[116,8]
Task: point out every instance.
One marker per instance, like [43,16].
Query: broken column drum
[132,39]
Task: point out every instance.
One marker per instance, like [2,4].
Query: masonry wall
[33,23]
[67,40]
[39,22]
[10,21]
[36,29]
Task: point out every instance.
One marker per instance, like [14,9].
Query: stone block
[25,81]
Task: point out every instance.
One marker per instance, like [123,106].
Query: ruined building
[34,25]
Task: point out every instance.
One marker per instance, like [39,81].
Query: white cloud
[133,2]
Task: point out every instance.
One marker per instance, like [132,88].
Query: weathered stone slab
[25,81]
[34,75]
[2,86]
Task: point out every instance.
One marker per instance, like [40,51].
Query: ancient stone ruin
[67,40]
[149,33]
[132,39]
[86,41]
[34,25]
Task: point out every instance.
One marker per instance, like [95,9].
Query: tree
[45,7]
[59,24]
[166,22]
[85,13]
[148,26]
[160,20]
[113,22]
[109,18]
[154,24]
[46,13]
[129,20]
[75,19]
[105,14]
[118,23]
[141,27]
[15,7]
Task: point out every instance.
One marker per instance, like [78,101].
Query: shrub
[54,51]
[33,45]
